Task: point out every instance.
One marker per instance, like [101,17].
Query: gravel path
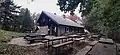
[19,41]
[22,42]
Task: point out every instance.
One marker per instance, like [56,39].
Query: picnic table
[31,37]
[81,33]
[107,41]
[60,44]
[53,38]
[73,36]
[34,35]
[78,39]
[95,36]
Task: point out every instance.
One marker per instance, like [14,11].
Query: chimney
[64,16]
[54,13]
[72,13]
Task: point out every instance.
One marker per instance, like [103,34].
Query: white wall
[43,30]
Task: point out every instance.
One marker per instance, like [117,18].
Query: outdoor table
[82,38]
[54,38]
[33,35]
[80,33]
[95,36]
[51,38]
[83,35]
[43,35]
[73,36]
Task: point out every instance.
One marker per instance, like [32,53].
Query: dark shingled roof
[62,21]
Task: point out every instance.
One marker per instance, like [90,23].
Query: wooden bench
[84,51]
[62,44]
[93,43]
[36,44]
[78,39]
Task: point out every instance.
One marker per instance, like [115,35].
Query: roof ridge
[60,20]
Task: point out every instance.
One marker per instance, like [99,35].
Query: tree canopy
[8,13]
[27,21]
[14,18]
[102,15]
[71,5]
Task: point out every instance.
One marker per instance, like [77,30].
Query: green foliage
[23,20]
[104,16]
[8,14]
[27,24]
[71,5]
[13,18]
[101,15]
[7,35]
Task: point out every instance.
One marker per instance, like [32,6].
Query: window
[72,29]
[67,29]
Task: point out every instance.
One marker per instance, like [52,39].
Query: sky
[41,5]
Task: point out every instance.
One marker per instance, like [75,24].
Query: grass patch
[7,35]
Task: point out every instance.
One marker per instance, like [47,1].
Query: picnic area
[59,27]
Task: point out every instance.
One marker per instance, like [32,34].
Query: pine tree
[27,22]
[8,14]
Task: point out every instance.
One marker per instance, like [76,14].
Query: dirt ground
[18,41]
[10,49]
